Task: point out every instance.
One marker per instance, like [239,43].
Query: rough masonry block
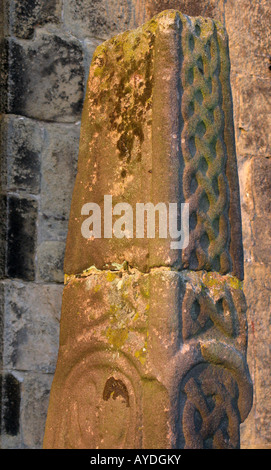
[31,326]
[249,56]
[11,400]
[261,223]
[104,18]
[210,8]
[50,258]
[21,155]
[52,85]
[2,316]
[22,233]
[24,408]
[98,18]
[4,74]
[33,13]
[3,146]
[3,234]
[59,162]
[35,390]
[252,110]
[257,427]
[255,174]
[261,175]
[261,231]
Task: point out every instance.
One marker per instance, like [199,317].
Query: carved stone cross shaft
[153,340]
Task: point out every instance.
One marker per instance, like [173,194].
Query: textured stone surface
[255,191]
[28,15]
[90,45]
[261,181]
[4,74]
[209,8]
[3,234]
[255,174]
[261,231]
[123,340]
[2,316]
[247,204]
[132,119]
[24,408]
[104,18]
[22,217]
[2,23]
[50,258]
[256,431]
[249,20]
[10,410]
[21,155]
[11,404]
[52,228]
[59,161]
[52,85]
[35,397]
[31,326]
[3,144]
[253,117]
[100,18]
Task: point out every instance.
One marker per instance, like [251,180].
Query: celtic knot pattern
[205,185]
[201,312]
[210,417]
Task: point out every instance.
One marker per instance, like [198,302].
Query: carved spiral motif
[99,402]
[205,185]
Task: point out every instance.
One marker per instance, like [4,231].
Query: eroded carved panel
[209,412]
[205,185]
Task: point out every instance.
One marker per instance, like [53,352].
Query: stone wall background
[46,49]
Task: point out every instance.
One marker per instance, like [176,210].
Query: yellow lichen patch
[217,283]
[234,282]
[110,277]
[116,336]
[213,282]
[68,278]
[141,354]
[112,311]
[136,316]
[97,288]
[145,292]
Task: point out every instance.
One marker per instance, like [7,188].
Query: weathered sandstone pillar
[153,340]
